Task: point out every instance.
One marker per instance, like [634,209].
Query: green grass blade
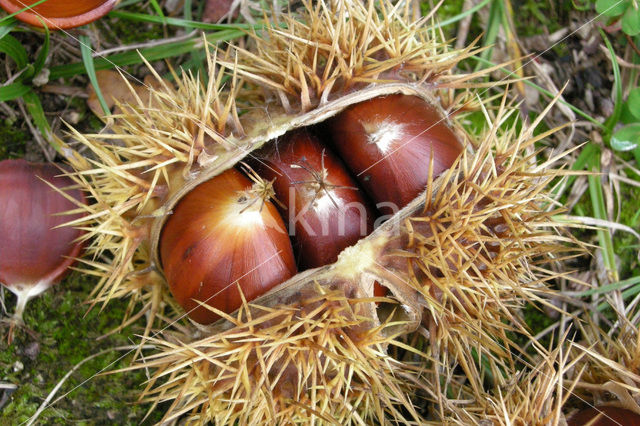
[150,53]
[611,287]
[464,14]
[588,151]
[157,8]
[34,106]
[13,91]
[187,10]
[197,63]
[6,27]
[42,55]
[8,17]
[87,59]
[141,17]
[634,219]
[126,3]
[600,212]
[617,86]
[626,294]
[493,28]
[14,49]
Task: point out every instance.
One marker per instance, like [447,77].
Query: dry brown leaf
[116,90]
[217,10]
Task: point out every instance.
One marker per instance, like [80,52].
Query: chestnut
[223,235]
[604,416]
[389,142]
[59,14]
[35,251]
[324,209]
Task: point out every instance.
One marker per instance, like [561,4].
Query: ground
[567,47]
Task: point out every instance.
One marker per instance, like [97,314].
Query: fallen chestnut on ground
[35,251]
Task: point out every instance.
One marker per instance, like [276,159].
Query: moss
[67,335]
[538,320]
[540,17]
[130,32]
[448,10]
[12,139]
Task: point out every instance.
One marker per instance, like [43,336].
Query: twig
[632,44]
[53,392]
[600,223]
[13,78]
[8,111]
[621,62]
[463,28]
[64,90]
[142,45]
[2,305]
[4,385]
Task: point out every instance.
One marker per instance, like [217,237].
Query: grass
[13,139]
[29,112]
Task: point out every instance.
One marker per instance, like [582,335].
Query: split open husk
[459,260]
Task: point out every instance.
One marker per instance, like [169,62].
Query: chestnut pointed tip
[59,14]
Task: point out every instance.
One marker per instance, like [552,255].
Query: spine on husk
[456,259]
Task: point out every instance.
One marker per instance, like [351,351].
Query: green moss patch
[67,335]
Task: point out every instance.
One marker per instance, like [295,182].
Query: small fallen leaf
[217,10]
[115,90]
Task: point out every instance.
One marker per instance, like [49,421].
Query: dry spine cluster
[459,261]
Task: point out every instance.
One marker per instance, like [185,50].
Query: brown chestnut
[59,14]
[324,209]
[389,142]
[604,416]
[35,252]
[221,235]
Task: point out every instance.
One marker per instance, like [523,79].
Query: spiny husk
[332,49]
[459,260]
[316,361]
[155,152]
[469,305]
[533,395]
[480,248]
[130,169]
[610,360]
